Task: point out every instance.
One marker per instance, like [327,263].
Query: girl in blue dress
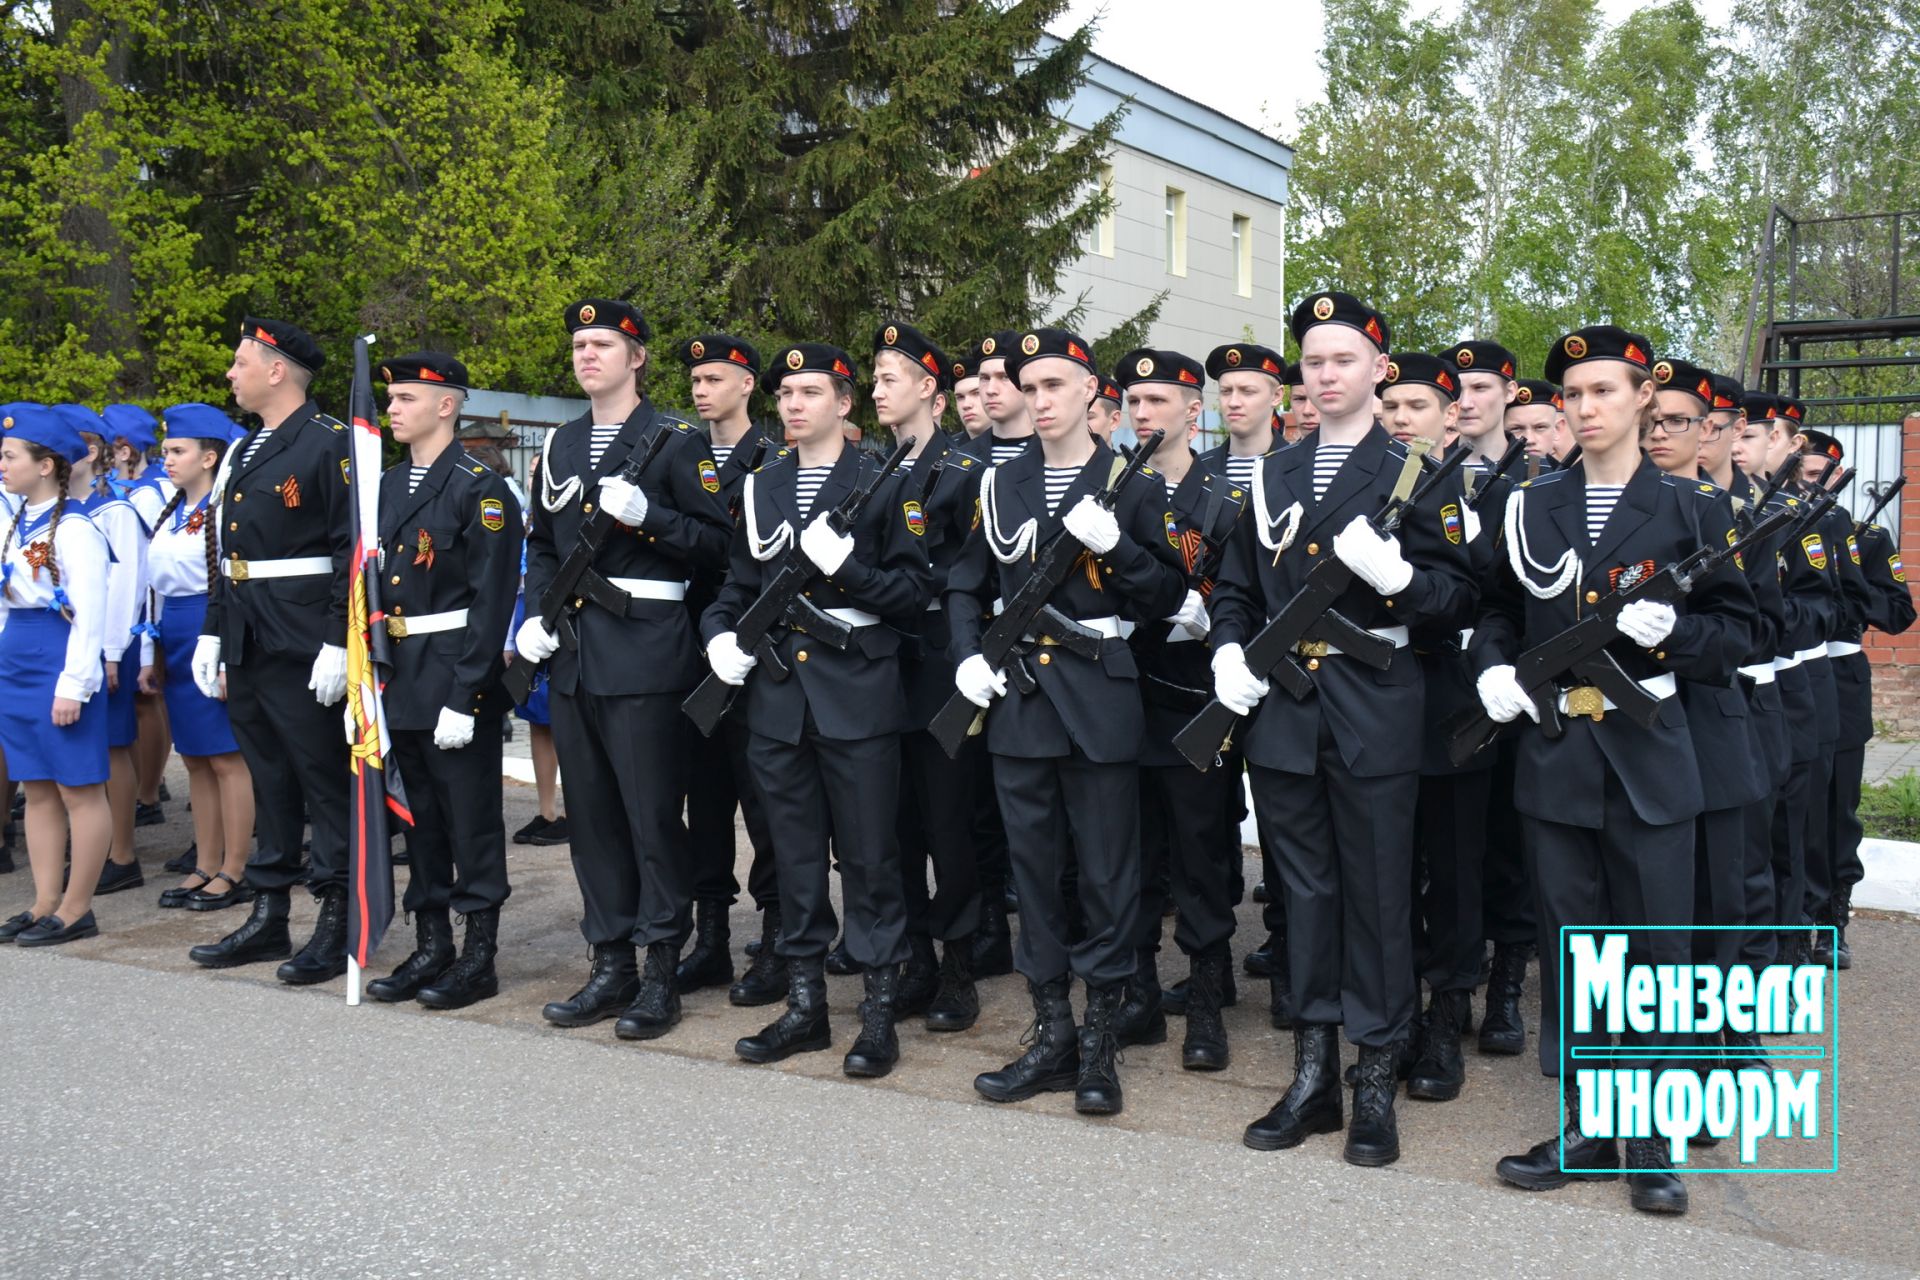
[53,720]
[139,478]
[183,556]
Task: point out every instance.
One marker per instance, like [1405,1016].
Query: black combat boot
[765,980]
[325,955]
[993,943]
[1205,1047]
[472,977]
[919,978]
[1052,1064]
[1173,1000]
[1502,1031]
[656,1005]
[263,936]
[1097,1091]
[611,986]
[1373,1139]
[839,963]
[1752,1055]
[876,1048]
[1139,1019]
[1259,961]
[803,1027]
[1652,1185]
[1438,1071]
[710,963]
[1312,1103]
[1540,1168]
[433,955]
[1842,912]
[956,1005]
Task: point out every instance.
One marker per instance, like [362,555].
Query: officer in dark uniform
[825,739]
[450,535]
[277,621]
[1335,775]
[624,746]
[723,371]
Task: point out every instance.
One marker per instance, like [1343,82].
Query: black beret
[1108,392]
[290,340]
[1038,344]
[720,348]
[1145,364]
[1598,342]
[1761,406]
[963,366]
[1483,357]
[998,345]
[1296,376]
[1334,307]
[425,366]
[917,347]
[1535,391]
[1683,375]
[608,313]
[1247,356]
[808,357]
[1728,393]
[1791,409]
[1404,367]
[1819,442]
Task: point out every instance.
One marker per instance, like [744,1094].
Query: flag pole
[353,982]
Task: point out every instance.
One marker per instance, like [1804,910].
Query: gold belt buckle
[1312,648]
[397,628]
[1586,700]
[237,569]
[1048,640]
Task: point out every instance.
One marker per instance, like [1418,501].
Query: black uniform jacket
[653,648]
[733,479]
[1658,520]
[451,544]
[1732,774]
[1772,745]
[290,501]
[1376,717]
[938,494]
[852,693]
[1089,705]
[1891,605]
[1441,650]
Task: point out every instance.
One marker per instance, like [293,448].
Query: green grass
[1892,811]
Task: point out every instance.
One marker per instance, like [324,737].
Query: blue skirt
[199,723]
[534,709]
[123,725]
[33,649]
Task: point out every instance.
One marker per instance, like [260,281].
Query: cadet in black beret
[917,347]
[1303,417]
[1487,372]
[1535,418]
[968,406]
[288,340]
[810,357]
[1598,342]
[608,313]
[1683,393]
[1104,415]
[1820,444]
[432,367]
[1334,307]
[1009,430]
[1432,418]
[1251,379]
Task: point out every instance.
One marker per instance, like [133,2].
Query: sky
[1255,60]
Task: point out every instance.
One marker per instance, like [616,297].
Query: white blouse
[80,551]
[126,576]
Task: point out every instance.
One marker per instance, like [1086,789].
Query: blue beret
[196,421]
[81,418]
[37,424]
[133,424]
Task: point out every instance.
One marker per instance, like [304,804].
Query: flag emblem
[709,476]
[1451,524]
[493,516]
[1816,550]
[916,519]
[1173,532]
[1853,548]
[1899,570]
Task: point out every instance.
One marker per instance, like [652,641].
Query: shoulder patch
[1815,549]
[493,515]
[1899,570]
[1853,548]
[1451,523]
[709,475]
[1173,528]
[916,518]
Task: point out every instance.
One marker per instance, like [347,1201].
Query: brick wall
[1896,659]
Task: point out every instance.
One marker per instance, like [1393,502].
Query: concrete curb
[1893,876]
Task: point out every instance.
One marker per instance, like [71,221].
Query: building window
[1176,231]
[1100,235]
[1243,255]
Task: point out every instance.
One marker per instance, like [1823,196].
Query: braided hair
[102,464]
[218,448]
[62,476]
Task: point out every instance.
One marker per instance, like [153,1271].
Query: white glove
[729,661]
[1471,519]
[1192,614]
[1646,622]
[1093,525]
[979,683]
[454,731]
[534,642]
[1502,696]
[824,547]
[1373,556]
[206,665]
[626,502]
[1234,682]
[329,678]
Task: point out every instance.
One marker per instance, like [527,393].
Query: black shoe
[553,833]
[919,978]
[1842,914]
[178,895]
[1502,1031]
[611,985]
[1205,1046]
[1097,1090]
[164,795]
[1052,1064]
[956,1003]
[1260,894]
[1438,1071]
[877,1048]
[14,926]
[238,892]
[710,963]
[656,1005]
[325,955]
[19,805]
[839,963]
[472,977]
[1173,1000]
[526,834]
[148,815]
[433,955]
[1259,961]
[765,980]
[116,876]
[51,931]
[1373,1139]
[6,859]
[1586,1159]
[185,862]
[993,942]
[1754,1057]
[1652,1186]
[1139,1019]
[262,936]
[803,1027]
[1312,1103]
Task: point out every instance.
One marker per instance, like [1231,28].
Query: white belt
[1785,663]
[1841,648]
[426,624]
[854,617]
[1466,637]
[1180,635]
[1396,636]
[1808,655]
[1759,672]
[297,567]
[651,588]
[1660,686]
[1108,628]
[933,606]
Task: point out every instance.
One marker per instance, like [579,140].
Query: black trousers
[1758,944]
[1818,868]
[624,762]
[825,789]
[989,832]
[1451,826]
[936,827]
[1065,809]
[722,782]
[1844,832]
[296,751]
[1628,872]
[1790,844]
[1720,886]
[1199,845]
[458,845]
[1345,848]
[1506,885]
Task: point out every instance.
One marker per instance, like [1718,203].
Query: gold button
[1661,656]
[1106,568]
[1046,659]
[1389,604]
[1593,597]
[579,603]
[651,538]
[1313,664]
[586,506]
[807,594]
[238,496]
[396,579]
[234,527]
[396,610]
[800,656]
[1313,548]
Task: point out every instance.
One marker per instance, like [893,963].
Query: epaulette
[330,422]
[1545,477]
[966,459]
[1705,487]
[779,455]
[1148,471]
[478,469]
[676,424]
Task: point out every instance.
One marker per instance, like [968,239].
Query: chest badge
[423,549]
[289,491]
[38,555]
[1627,576]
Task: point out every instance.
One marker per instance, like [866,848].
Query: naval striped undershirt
[721,452]
[1007,451]
[1326,462]
[260,438]
[414,476]
[806,487]
[1601,500]
[603,435]
[1057,481]
[1240,470]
